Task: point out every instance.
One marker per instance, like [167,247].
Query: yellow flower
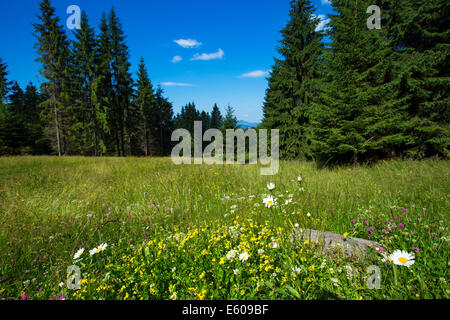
[202,275]
[306,242]
[312,268]
[345,235]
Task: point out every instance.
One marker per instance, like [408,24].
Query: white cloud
[323,22]
[176,59]
[208,56]
[188,43]
[326,2]
[176,84]
[254,74]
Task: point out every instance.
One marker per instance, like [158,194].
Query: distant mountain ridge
[245,124]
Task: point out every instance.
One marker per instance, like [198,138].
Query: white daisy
[296,270]
[402,258]
[271,186]
[231,254]
[243,256]
[299,179]
[270,201]
[78,254]
[100,248]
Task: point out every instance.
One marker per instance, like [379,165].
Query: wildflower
[236,272]
[401,225]
[231,254]
[270,201]
[402,258]
[352,220]
[25,297]
[62,298]
[287,202]
[299,179]
[296,270]
[271,186]
[78,253]
[100,248]
[275,245]
[345,235]
[335,282]
[312,268]
[202,275]
[243,256]
[260,251]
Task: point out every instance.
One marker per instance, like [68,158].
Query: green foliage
[293,82]
[382,93]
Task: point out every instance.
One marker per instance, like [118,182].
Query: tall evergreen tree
[53,53]
[229,120]
[293,81]
[216,117]
[145,101]
[121,109]
[4,83]
[165,122]
[84,53]
[102,90]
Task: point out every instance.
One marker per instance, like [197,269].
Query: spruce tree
[165,122]
[216,118]
[53,53]
[84,53]
[4,83]
[293,81]
[145,101]
[122,112]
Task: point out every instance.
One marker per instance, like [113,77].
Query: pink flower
[25,297]
[401,225]
[404,209]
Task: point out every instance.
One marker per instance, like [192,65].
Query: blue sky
[223,48]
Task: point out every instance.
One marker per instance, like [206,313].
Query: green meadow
[204,232]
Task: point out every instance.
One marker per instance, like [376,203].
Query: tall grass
[51,206]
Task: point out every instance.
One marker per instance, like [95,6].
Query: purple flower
[366,222]
[352,221]
[388,229]
[394,226]
[395,218]
[372,228]
[404,209]
[25,297]
[3,278]
[62,298]
[384,230]
[401,225]
[382,249]
[369,231]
